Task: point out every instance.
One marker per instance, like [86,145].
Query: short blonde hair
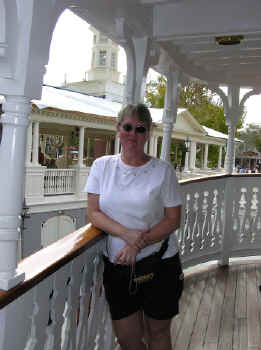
[140,111]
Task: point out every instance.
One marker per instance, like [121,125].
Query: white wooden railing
[59,181]
[221,219]
[61,303]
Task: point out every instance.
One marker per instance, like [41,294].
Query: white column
[193,154]
[206,157]
[220,157]
[201,156]
[155,149]
[186,166]
[29,144]
[117,144]
[170,111]
[234,158]
[108,146]
[36,143]
[229,166]
[81,146]
[146,146]
[66,149]
[12,157]
[153,146]
[88,151]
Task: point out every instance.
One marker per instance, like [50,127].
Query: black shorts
[158,298]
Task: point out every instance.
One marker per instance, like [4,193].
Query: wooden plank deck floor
[220,309]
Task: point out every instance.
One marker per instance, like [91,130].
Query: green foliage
[155,92]
[252,137]
[197,98]
[203,104]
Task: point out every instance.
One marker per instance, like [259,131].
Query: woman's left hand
[126,256]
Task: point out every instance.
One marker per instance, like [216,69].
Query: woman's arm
[105,223]
[167,225]
[161,231]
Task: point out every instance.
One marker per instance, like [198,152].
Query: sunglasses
[140,129]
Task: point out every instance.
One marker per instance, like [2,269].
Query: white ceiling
[186,30]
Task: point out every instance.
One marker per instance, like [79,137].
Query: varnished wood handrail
[216,177]
[204,178]
[43,263]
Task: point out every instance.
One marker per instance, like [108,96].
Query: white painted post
[170,111]
[186,165]
[81,147]
[146,147]
[155,149]
[29,145]
[66,149]
[153,146]
[12,156]
[227,229]
[108,146]
[141,47]
[88,151]
[117,144]
[35,144]
[206,157]
[220,157]
[229,166]
[193,154]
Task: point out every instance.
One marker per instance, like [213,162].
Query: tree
[197,98]
[155,92]
[251,136]
[201,102]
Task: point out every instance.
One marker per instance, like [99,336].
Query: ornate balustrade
[59,181]
[221,218]
[61,303]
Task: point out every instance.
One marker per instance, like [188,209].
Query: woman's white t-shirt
[135,197]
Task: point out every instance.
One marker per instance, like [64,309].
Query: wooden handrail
[43,263]
[203,179]
[216,177]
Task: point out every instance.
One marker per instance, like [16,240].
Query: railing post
[227,229]
[12,158]
[80,181]
[34,183]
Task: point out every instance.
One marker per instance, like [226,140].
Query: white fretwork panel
[66,311]
[246,219]
[201,229]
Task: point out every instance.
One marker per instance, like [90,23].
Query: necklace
[137,163]
[127,174]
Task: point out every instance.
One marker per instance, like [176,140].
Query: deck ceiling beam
[202,17]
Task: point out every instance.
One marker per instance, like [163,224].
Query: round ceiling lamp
[229,39]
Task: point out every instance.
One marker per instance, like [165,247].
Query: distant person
[52,164]
[40,156]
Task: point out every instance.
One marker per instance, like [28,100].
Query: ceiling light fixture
[229,39]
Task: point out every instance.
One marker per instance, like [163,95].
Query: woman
[135,199]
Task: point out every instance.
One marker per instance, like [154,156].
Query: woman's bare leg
[130,331]
[159,334]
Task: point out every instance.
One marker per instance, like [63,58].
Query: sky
[70,59]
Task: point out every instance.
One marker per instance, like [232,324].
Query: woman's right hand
[126,256]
